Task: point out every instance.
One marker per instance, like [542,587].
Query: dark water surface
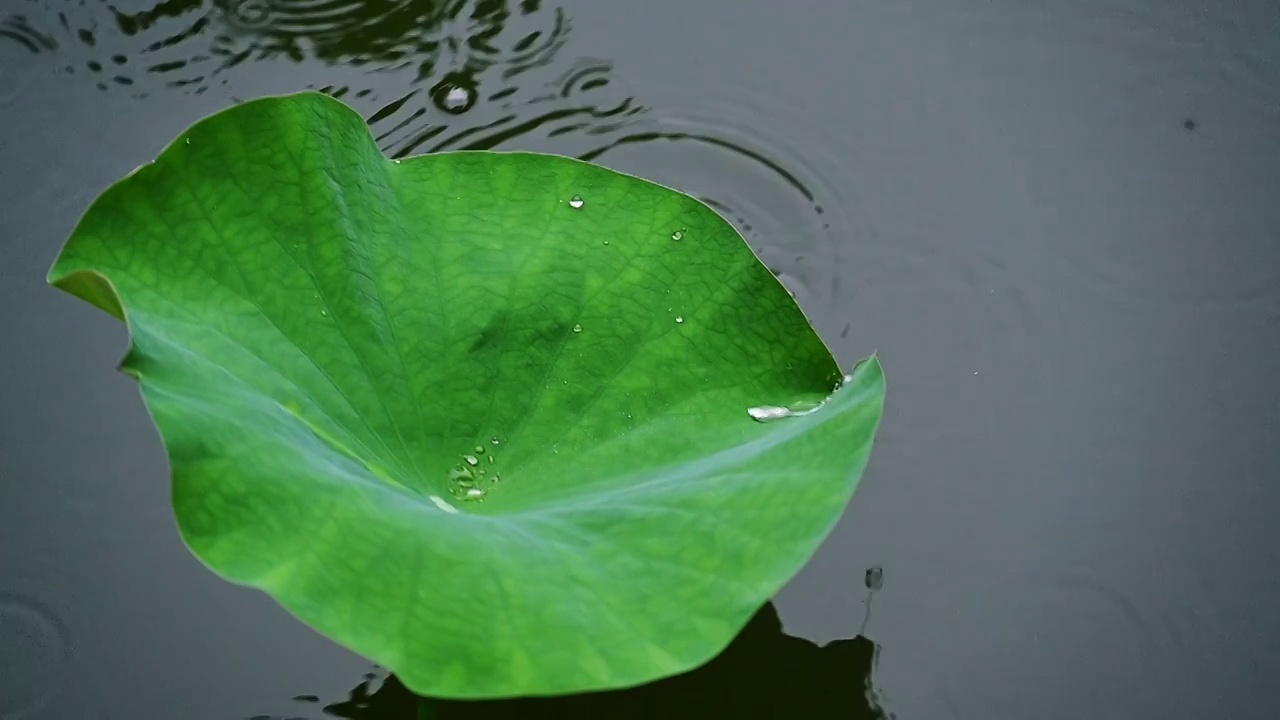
[1059,224]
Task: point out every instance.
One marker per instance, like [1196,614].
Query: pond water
[1058,223]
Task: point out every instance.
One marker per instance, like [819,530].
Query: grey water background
[1057,222]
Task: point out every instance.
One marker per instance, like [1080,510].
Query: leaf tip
[89,285]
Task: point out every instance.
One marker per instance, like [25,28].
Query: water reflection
[191,44]
[418,64]
[764,673]
[435,75]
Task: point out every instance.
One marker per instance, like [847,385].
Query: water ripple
[429,75]
[736,159]
[34,649]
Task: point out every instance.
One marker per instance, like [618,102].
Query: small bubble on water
[455,94]
[456,97]
[577,328]
[765,413]
[471,460]
[576,202]
[875,577]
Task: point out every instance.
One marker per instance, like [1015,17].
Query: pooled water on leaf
[576,202]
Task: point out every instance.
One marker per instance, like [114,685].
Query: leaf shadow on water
[764,673]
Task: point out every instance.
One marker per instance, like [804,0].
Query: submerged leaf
[443,411]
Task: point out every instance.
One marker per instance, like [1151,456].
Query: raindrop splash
[576,202]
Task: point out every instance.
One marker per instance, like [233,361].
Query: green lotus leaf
[481,417]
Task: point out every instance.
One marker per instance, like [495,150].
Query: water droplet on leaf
[471,460]
[479,449]
[768,412]
[679,319]
[678,235]
[474,493]
[577,328]
[495,440]
[576,202]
